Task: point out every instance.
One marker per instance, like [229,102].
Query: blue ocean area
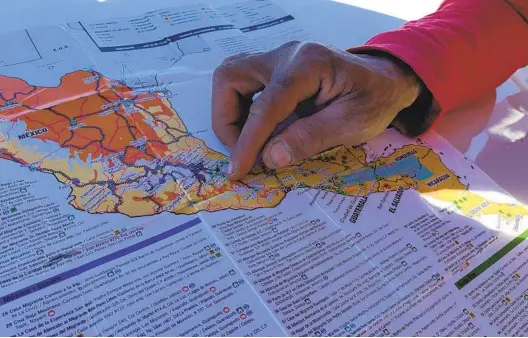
[409,166]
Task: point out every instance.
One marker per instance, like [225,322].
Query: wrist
[421,110]
[405,78]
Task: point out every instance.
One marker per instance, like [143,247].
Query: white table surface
[489,131]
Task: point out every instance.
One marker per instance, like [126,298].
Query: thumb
[306,137]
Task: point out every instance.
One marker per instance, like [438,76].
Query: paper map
[117,217]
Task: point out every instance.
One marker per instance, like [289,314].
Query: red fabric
[464,50]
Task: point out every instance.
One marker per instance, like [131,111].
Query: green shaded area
[490,261]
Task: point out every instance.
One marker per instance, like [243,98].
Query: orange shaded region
[91,119]
[19,98]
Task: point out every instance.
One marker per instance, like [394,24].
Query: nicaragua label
[437,180]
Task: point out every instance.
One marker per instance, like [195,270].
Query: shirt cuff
[419,117]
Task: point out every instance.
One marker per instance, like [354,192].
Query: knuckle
[242,71]
[310,49]
[315,57]
[221,73]
[235,57]
[289,45]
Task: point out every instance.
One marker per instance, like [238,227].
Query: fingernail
[280,154]
[230,169]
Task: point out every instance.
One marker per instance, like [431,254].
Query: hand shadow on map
[505,156]
[492,135]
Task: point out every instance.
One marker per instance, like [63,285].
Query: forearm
[460,52]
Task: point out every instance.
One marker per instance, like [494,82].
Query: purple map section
[97,262]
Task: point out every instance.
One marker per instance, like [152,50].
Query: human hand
[354,98]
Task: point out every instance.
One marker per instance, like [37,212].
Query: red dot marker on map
[212,289]
[185,289]
[243,316]
[51,313]
[225,309]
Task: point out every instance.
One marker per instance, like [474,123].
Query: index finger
[234,83]
[277,101]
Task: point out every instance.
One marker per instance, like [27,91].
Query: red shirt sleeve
[464,50]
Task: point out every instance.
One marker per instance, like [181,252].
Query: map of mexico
[127,151]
